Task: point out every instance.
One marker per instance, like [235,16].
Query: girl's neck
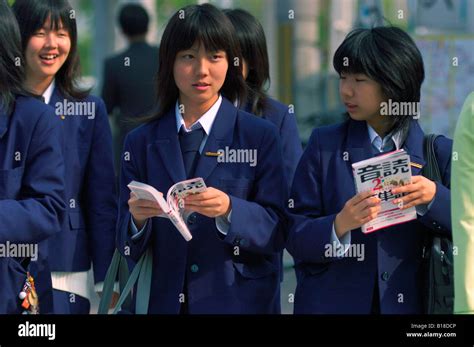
[192,112]
[38,86]
[380,125]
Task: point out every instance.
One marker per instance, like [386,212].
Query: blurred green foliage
[85,46]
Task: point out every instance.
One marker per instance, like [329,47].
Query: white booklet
[382,174]
[173,206]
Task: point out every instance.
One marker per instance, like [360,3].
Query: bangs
[32,16]
[356,55]
[60,18]
[204,28]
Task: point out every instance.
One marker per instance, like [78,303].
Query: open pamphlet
[173,206]
[382,174]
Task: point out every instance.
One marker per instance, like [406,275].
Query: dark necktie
[190,143]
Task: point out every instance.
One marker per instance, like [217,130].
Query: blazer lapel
[167,145]
[358,143]
[221,135]
[56,98]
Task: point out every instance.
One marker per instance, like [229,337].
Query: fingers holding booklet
[148,202]
[143,209]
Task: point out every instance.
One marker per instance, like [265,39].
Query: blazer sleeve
[291,146]
[438,217]
[39,210]
[258,224]
[310,228]
[132,248]
[100,195]
[463,209]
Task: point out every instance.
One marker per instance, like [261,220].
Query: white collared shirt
[387,142]
[205,121]
[49,92]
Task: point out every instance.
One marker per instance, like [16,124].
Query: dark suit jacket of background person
[129,85]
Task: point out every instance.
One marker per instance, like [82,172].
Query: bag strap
[141,272]
[115,267]
[431,169]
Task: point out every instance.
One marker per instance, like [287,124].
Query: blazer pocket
[16,273]
[10,182]
[255,271]
[76,220]
[314,269]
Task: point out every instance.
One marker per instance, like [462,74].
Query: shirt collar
[206,120]
[376,140]
[49,92]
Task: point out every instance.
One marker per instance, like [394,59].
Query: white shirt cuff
[344,242]
[422,209]
[223,224]
[136,234]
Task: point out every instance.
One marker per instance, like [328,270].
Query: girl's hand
[357,211]
[421,191]
[141,210]
[211,203]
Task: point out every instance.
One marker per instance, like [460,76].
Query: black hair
[11,59]
[133,20]
[253,44]
[209,26]
[389,56]
[31,16]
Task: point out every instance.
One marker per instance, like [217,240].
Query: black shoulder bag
[437,251]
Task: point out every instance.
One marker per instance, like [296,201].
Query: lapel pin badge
[416,165]
[213,154]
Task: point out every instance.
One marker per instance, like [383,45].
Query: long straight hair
[31,16]
[11,59]
[253,44]
[206,25]
[388,56]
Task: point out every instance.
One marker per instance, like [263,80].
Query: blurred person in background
[129,87]
[462,186]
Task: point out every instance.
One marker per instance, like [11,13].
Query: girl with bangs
[49,37]
[231,264]
[375,66]
[31,179]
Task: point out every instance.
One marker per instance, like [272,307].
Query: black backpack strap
[431,168]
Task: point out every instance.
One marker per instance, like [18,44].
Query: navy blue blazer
[89,228]
[279,114]
[31,191]
[238,273]
[322,185]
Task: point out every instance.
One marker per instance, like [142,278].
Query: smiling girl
[49,34]
[231,263]
[375,65]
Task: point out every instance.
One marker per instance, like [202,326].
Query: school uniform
[31,192]
[280,116]
[387,279]
[88,232]
[229,266]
